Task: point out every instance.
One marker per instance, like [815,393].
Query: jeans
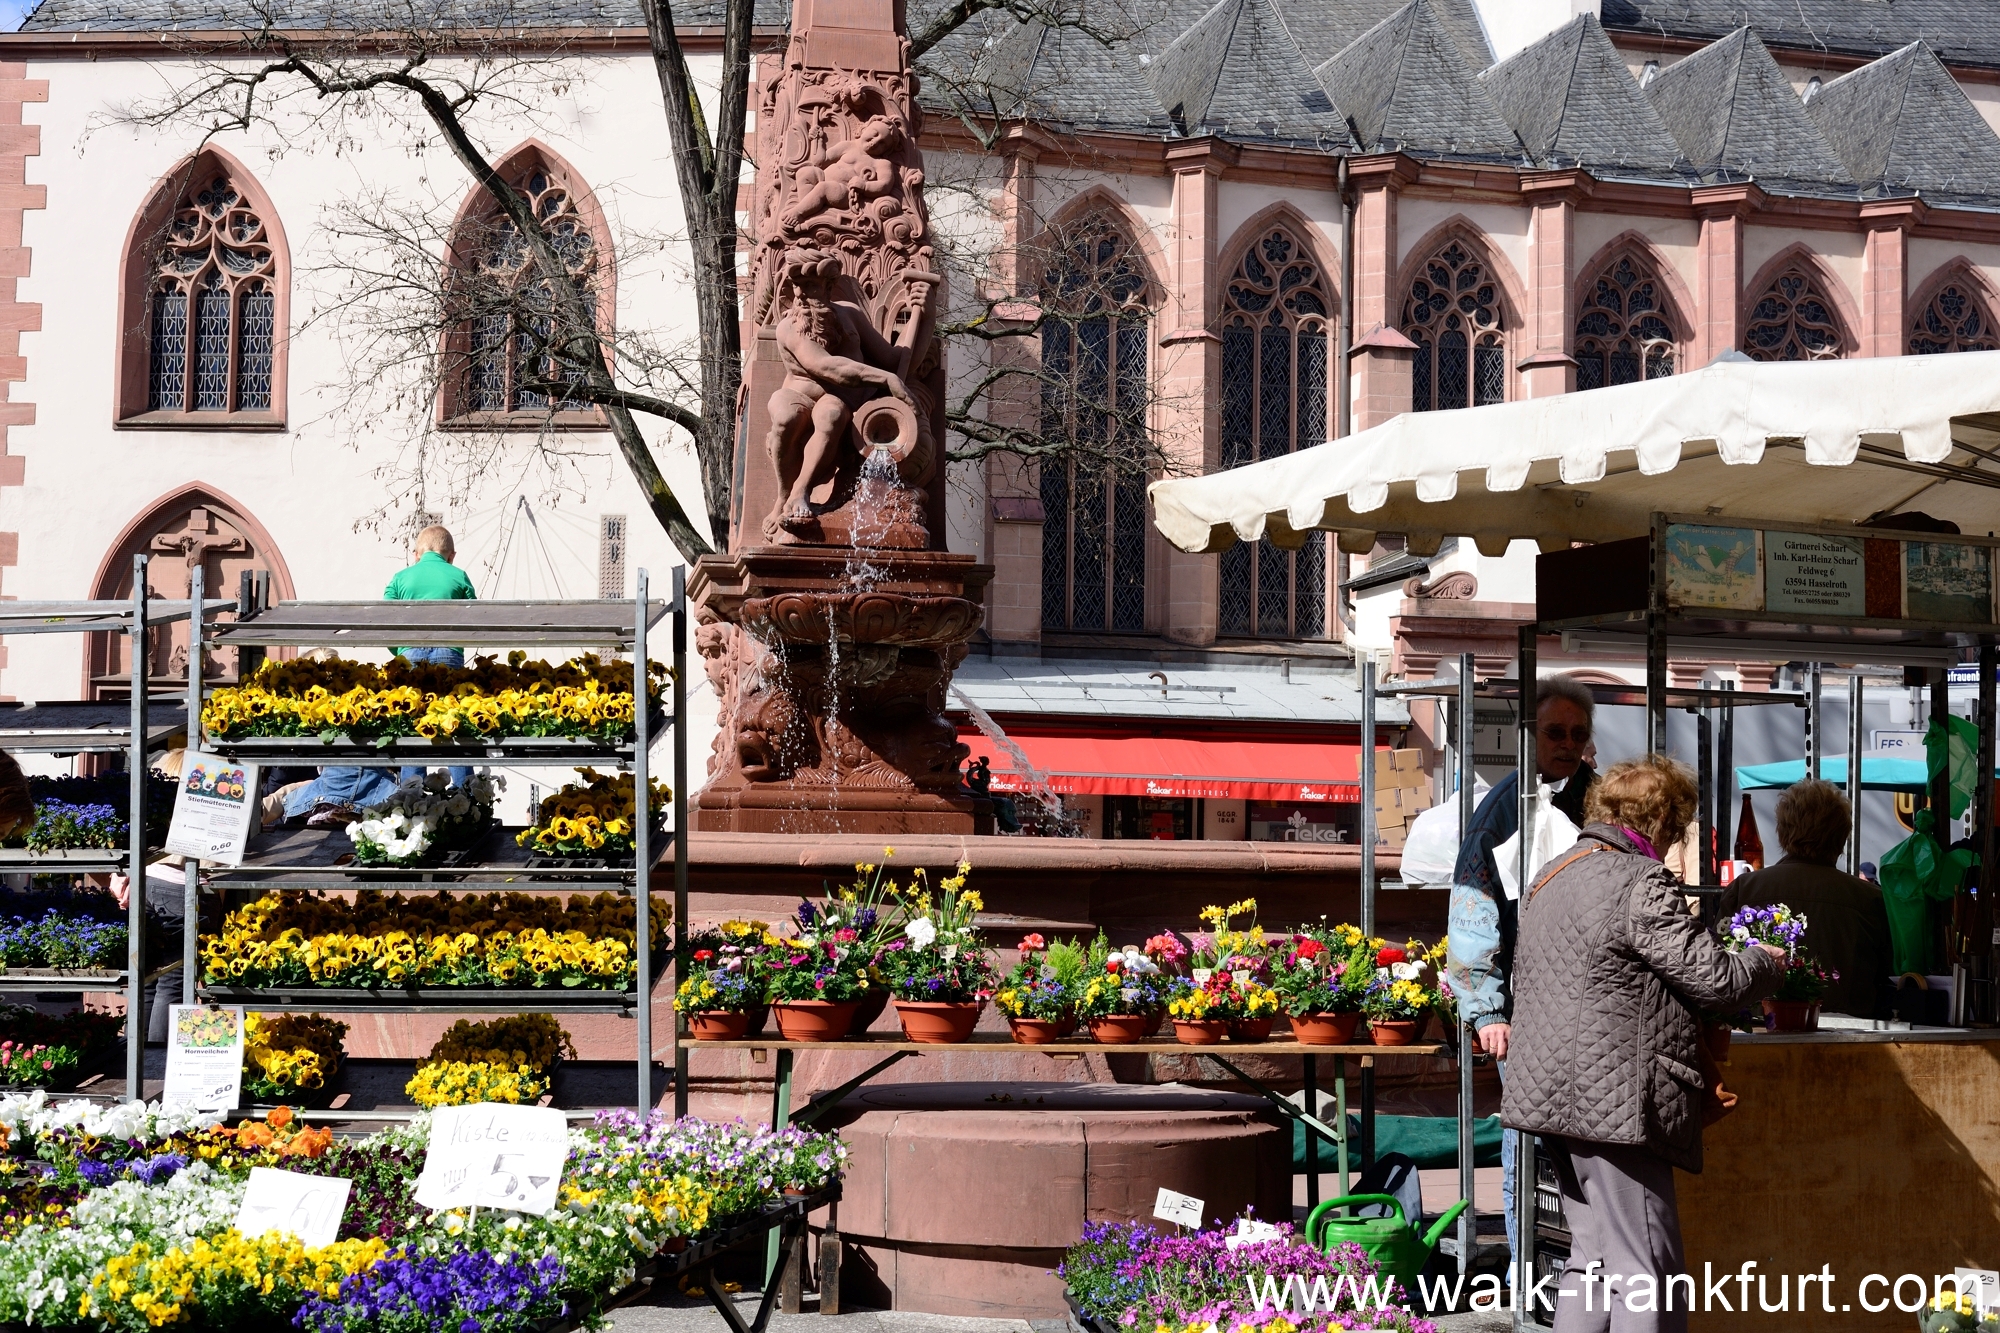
[357,787]
[1507,1183]
[450,657]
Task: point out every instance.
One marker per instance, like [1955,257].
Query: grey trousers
[1619,1201]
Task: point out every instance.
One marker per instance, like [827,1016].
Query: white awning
[1810,442]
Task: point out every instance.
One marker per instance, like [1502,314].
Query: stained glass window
[514,340]
[1274,329]
[1622,334]
[1453,316]
[1793,321]
[1093,384]
[212,324]
[1954,320]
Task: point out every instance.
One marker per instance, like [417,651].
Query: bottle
[1749,845]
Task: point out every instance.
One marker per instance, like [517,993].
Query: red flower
[1389,956]
[1030,943]
[846,935]
[1310,948]
[1113,965]
[703,955]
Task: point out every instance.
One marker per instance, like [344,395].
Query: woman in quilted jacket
[1610,974]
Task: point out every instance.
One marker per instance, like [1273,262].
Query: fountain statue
[831,627]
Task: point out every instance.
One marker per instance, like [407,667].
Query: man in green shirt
[432,578]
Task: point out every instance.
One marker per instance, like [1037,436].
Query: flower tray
[1083,1323]
[472,999]
[621,861]
[94,973]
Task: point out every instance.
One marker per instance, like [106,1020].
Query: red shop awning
[1257,769]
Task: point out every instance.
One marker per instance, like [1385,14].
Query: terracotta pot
[718,1025]
[1040,1031]
[1716,1036]
[760,1015]
[1200,1031]
[1250,1029]
[1066,1027]
[1116,1029]
[938,1024]
[814,1020]
[1325,1029]
[1791,1016]
[872,1005]
[675,1244]
[1394,1031]
[1155,1020]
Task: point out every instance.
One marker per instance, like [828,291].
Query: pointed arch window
[1274,402]
[1453,315]
[1953,320]
[1623,335]
[204,305]
[1094,381]
[511,352]
[1794,320]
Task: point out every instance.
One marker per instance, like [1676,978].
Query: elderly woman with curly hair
[1610,974]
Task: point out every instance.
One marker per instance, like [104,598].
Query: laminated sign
[308,1207]
[490,1155]
[214,809]
[204,1057]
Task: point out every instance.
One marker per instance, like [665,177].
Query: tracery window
[1453,315]
[1622,335]
[211,304]
[1094,402]
[1793,321]
[1274,401]
[1953,320]
[510,347]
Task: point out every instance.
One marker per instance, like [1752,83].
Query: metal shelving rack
[500,625]
[91,728]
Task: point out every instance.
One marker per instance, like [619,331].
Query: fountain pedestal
[833,689]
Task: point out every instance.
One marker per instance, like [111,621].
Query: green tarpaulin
[1430,1140]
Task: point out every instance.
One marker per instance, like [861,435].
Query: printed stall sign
[214,809]
[493,1156]
[204,1057]
[1811,575]
[1715,568]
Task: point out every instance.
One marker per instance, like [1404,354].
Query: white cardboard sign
[214,809]
[204,1057]
[491,1155]
[309,1207]
[1182,1210]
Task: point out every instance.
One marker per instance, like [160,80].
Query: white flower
[1741,932]
[437,780]
[921,932]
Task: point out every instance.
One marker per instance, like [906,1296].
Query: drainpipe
[1343,412]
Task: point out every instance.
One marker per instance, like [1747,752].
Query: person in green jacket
[432,577]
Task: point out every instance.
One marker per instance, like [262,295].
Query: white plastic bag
[1554,835]
[1430,853]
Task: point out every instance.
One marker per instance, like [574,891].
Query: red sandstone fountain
[831,628]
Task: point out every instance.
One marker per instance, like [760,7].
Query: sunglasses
[1575,735]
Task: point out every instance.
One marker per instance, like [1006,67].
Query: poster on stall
[1949,582]
[204,1057]
[1714,567]
[214,810]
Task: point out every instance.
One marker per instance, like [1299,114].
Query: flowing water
[1055,813]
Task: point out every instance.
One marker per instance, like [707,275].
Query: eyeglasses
[1576,735]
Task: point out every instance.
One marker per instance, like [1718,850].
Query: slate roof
[1064,78]
[1902,125]
[1237,72]
[1325,28]
[1572,101]
[1962,32]
[1736,118]
[1405,86]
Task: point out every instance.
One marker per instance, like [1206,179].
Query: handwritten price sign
[494,1156]
[309,1207]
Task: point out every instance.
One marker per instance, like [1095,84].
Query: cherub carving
[865,168]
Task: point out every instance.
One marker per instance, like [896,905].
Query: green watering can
[1390,1241]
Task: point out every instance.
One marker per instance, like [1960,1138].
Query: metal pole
[1815,723]
[1656,648]
[1367,891]
[1309,1097]
[1468,1230]
[1528,775]
[1976,953]
[135,901]
[1704,727]
[680,834]
[191,866]
[642,853]
[1940,788]
[1725,783]
[1856,705]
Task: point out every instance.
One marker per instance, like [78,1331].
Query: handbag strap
[1564,864]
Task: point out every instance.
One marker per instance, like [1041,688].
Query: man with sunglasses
[1484,920]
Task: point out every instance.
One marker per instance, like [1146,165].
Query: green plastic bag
[1955,747]
[1916,873]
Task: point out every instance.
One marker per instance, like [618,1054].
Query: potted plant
[717,997]
[1229,948]
[1321,979]
[1039,995]
[1200,1014]
[423,818]
[1251,1010]
[813,986]
[1398,1002]
[1125,995]
[938,970]
[739,947]
[1795,1008]
[872,910]
[1957,1311]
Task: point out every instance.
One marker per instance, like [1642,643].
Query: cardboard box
[1395,768]
[1408,801]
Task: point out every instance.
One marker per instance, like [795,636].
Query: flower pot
[1155,1020]
[1716,1037]
[675,1244]
[1791,1016]
[1394,1031]
[760,1014]
[1040,1031]
[938,1023]
[1066,1026]
[1200,1031]
[718,1025]
[1115,1029]
[871,1006]
[814,1020]
[1250,1029]
[1325,1029]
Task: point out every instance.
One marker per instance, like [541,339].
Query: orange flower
[250,1134]
[279,1116]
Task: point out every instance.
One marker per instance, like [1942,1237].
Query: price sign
[1183,1210]
[204,1057]
[214,809]
[309,1207]
[1249,1231]
[490,1155]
